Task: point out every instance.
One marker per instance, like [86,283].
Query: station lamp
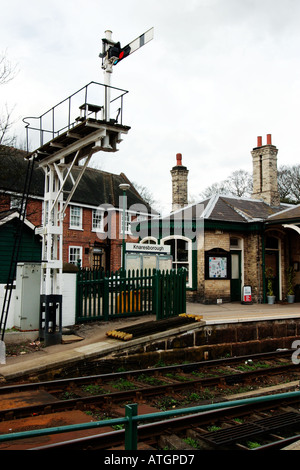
[124,187]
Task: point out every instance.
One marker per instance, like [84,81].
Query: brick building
[227,242]
[92,227]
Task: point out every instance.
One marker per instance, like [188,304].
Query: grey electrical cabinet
[27,299]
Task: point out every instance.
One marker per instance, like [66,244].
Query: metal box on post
[27,299]
[51,319]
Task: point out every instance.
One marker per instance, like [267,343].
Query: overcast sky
[217,74]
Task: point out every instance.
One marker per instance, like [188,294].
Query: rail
[86,102]
[132,419]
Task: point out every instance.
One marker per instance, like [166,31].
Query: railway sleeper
[173,442]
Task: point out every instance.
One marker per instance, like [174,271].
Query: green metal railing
[132,419]
[105,296]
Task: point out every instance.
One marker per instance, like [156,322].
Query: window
[141,218]
[97,220]
[75,217]
[182,255]
[75,254]
[234,242]
[149,241]
[16,202]
[128,218]
[45,212]
[272,243]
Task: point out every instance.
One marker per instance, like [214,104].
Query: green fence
[103,296]
[132,419]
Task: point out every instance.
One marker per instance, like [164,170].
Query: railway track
[26,406]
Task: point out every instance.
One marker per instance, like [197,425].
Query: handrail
[132,418]
[55,112]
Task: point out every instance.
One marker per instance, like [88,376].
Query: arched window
[149,241]
[271,243]
[181,251]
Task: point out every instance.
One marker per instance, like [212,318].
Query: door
[272,267]
[236,276]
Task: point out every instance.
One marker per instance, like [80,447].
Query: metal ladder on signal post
[16,248]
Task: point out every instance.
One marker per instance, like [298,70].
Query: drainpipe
[263,263]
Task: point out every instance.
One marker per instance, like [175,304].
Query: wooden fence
[102,296]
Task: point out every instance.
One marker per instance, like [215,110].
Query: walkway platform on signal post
[95,343]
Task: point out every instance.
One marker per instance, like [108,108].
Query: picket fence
[104,296]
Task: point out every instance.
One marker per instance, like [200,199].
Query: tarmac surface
[90,340]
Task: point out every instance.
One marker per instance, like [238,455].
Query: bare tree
[289,183]
[215,188]
[7,73]
[238,183]
[295,183]
[145,194]
[284,183]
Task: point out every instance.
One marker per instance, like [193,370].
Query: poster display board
[217,267]
[149,261]
[133,262]
[217,264]
[165,263]
[143,256]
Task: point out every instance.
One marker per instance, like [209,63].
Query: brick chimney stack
[264,159]
[179,184]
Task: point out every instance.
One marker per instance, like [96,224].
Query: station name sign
[145,248]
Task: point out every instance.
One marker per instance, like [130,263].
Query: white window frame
[76,256]
[149,241]
[76,226]
[16,202]
[128,221]
[97,220]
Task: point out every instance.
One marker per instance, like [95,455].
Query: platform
[96,344]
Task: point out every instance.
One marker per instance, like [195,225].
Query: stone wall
[216,342]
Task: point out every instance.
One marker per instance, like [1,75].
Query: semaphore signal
[114,53]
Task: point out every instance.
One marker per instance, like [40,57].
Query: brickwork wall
[110,241]
[4,202]
[253,265]
[85,238]
[33,211]
[211,290]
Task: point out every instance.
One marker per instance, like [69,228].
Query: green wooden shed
[31,246]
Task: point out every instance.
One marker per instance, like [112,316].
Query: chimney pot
[259,141]
[179,159]
[269,139]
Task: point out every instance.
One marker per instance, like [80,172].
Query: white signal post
[108,69]
[70,148]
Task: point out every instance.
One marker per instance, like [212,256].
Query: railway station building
[233,248]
